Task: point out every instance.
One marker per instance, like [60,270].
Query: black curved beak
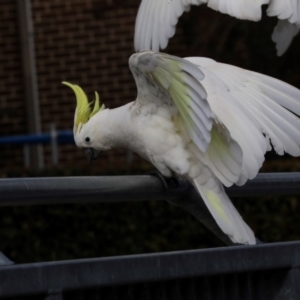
[91,154]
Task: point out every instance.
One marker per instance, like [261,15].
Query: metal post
[26,153]
[129,157]
[30,78]
[54,151]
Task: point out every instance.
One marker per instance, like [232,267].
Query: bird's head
[88,130]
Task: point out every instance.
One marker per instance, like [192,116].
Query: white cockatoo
[207,122]
[156,19]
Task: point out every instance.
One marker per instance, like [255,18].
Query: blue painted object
[63,137]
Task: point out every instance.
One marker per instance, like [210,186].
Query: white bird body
[156,19]
[207,122]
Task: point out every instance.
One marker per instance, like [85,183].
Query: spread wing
[167,80]
[156,19]
[285,10]
[283,35]
[258,110]
[288,26]
[240,9]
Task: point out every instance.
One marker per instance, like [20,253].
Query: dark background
[89,42]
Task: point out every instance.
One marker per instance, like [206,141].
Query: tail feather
[223,211]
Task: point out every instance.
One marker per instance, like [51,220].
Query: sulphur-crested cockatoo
[208,122]
[156,19]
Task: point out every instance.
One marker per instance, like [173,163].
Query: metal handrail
[275,265]
[58,190]
[133,269]
[54,190]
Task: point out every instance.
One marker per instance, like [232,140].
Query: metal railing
[265,271]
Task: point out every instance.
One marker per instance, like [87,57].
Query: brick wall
[89,42]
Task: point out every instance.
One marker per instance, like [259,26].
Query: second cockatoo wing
[240,9]
[156,19]
[289,24]
[258,111]
[285,10]
[283,35]
[167,80]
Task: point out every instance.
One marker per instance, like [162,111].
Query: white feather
[241,9]
[156,22]
[156,19]
[169,80]
[285,10]
[250,105]
[283,35]
[222,209]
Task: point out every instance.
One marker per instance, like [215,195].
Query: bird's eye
[87,139]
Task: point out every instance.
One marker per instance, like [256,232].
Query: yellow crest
[83,108]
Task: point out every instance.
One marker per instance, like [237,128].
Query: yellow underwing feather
[217,205]
[188,97]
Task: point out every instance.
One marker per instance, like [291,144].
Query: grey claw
[166,182]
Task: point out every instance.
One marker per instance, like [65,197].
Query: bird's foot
[167,182]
